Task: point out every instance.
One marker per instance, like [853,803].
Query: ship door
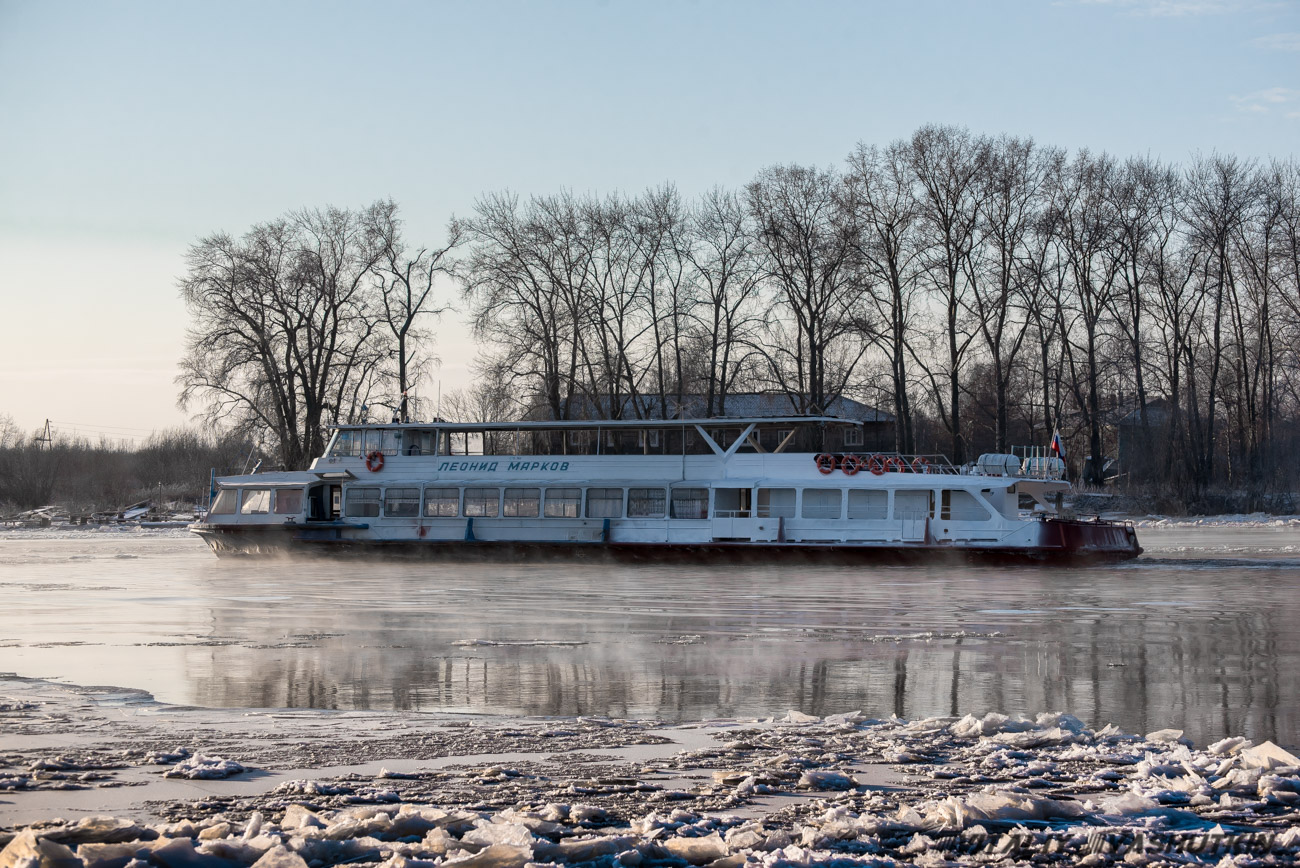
[336,502]
[733,514]
[316,503]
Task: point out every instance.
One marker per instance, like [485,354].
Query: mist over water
[1203,633]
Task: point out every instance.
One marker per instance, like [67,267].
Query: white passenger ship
[721,487]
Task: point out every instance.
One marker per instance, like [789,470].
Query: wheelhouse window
[402,502]
[288,501]
[442,502]
[257,501]
[346,443]
[776,503]
[392,442]
[522,502]
[690,503]
[646,503]
[362,503]
[563,502]
[421,442]
[482,502]
[604,503]
[821,502]
[868,505]
[226,503]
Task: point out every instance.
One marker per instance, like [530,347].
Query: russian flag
[1058,448]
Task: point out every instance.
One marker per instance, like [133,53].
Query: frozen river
[1202,633]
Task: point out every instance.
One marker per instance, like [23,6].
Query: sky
[128,130]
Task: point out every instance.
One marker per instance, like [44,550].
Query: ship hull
[1059,541]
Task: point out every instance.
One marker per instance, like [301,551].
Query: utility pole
[47,436]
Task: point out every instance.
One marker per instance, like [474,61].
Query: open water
[1202,633]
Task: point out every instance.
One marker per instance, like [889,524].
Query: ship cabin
[785,479]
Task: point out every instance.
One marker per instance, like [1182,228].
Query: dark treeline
[86,476]
[985,290]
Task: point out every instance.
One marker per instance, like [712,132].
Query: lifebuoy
[825,462]
[375,461]
[920,464]
[851,464]
[876,465]
[894,464]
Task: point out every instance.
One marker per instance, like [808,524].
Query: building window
[690,503]
[646,503]
[868,505]
[821,502]
[604,502]
[482,502]
[362,502]
[402,502]
[853,436]
[442,502]
[563,502]
[288,501]
[776,503]
[522,502]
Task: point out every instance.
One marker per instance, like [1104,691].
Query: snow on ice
[800,790]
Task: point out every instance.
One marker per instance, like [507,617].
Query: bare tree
[889,250]
[806,237]
[285,326]
[406,280]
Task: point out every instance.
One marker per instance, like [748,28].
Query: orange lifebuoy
[876,465]
[894,464]
[920,464]
[851,464]
[375,461]
[825,462]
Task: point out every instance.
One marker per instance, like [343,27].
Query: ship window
[227,502]
[402,502]
[392,442]
[604,502]
[288,501]
[959,505]
[482,502]
[821,502]
[257,501]
[646,503]
[912,505]
[563,502]
[871,505]
[362,502]
[776,503]
[442,502]
[373,440]
[522,502]
[690,503]
[346,443]
[853,436]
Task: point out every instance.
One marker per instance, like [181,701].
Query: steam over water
[1202,633]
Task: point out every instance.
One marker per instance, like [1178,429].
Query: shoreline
[422,789]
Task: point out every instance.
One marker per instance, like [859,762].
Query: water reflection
[1208,645]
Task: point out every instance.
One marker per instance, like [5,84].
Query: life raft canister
[375,461]
[825,462]
[851,464]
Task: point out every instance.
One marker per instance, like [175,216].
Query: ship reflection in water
[1209,644]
